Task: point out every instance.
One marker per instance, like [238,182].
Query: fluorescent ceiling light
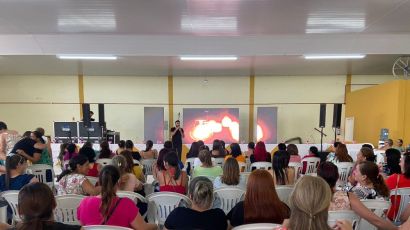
[337,56]
[87,57]
[208,58]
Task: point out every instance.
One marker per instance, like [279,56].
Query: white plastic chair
[229,197]
[93,180]
[147,164]
[219,161]
[11,197]
[248,164]
[66,210]
[404,193]
[189,163]
[242,167]
[345,169]
[245,175]
[378,207]
[165,202]
[40,171]
[104,161]
[264,226]
[134,197]
[104,227]
[284,193]
[297,166]
[311,164]
[261,165]
[334,216]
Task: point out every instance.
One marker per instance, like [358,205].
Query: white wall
[297,99]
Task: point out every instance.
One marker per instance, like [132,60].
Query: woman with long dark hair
[194,150]
[217,149]
[36,203]
[261,204]
[74,181]
[371,184]
[108,208]
[15,177]
[236,153]
[129,145]
[121,147]
[172,179]
[105,151]
[149,152]
[293,151]
[341,155]
[133,168]
[281,172]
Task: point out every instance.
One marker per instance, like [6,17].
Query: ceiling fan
[401,67]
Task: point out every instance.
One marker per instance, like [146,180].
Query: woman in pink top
[107,208]
[293,151]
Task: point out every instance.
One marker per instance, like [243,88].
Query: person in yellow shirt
[236,153]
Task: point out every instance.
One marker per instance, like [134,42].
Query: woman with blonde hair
[128,181]
[309,210]
[230,175]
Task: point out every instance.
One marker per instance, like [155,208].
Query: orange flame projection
[205,129]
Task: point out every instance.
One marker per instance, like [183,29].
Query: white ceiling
[149,35]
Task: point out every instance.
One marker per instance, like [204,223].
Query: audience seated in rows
[261,204]
[107,208]
[342,200]
[260,153]
[128,181]
[201,215]
[340,155]
[230,176]
[236,153]
[370,184]
[281,172]
[74,181]
[149,152]
[172,178]
[399,181]
[137,170]
[206,168]
[293,151]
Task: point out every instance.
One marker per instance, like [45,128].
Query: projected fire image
[210,124]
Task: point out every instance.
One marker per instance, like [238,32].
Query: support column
[251,105]
[81,93]
[170,100]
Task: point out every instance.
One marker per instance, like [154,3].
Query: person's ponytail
[108,179]
[381,187]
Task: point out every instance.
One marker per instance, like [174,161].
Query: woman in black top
[36,204]
[200,215]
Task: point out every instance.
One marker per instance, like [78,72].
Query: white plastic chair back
[311,164]
[40,171]
[284,193]
[297,166]
[334,216]
[134,197]
[136,162]
[242,167]
[104,227]
[189,163]
[93,180]
[165,203]
[378,207]
[104,161]
[264,226]
[261,165]
[345,169]
[248,164]
[66,210]
[229,197]
[218,161]
[404,193]
[11,197]
[147,164]
[245,176]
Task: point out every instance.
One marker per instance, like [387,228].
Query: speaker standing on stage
[177,133]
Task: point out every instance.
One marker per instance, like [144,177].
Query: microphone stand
[321,137]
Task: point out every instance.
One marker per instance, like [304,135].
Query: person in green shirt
[207,169]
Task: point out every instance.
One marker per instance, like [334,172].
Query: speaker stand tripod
[321,137]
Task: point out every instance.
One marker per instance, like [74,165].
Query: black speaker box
[101,115]
[337,115]
[322,117]
[86,115]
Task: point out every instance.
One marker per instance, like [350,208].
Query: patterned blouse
[363,192]
[340,201]
[71,184]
